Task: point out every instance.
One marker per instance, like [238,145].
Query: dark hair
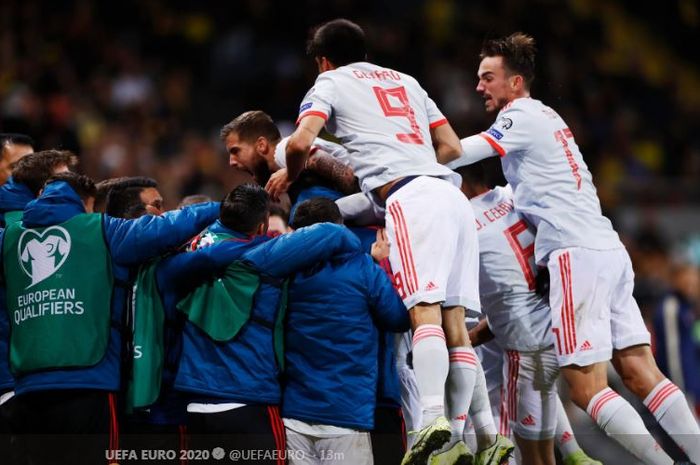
[194,199]
[251,125]
[316,210]
[123,198]
[277,210]
[34,169]
[518,51]
[473,174]
[341,41]
[81,184]
[245,208]
[13,138]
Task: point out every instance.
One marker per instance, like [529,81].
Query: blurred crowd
[143,87]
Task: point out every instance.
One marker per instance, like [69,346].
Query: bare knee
[585,382]
[637,368]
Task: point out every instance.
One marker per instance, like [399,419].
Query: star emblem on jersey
[42,254]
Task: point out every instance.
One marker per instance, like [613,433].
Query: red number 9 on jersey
[405,110]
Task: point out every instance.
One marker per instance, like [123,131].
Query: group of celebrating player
[536,257]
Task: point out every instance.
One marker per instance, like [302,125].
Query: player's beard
[261,173]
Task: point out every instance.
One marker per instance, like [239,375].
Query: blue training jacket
[129,243]
[13,196]
[332,341]
[243,369]
[677,345]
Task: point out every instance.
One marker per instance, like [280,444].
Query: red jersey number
[404,110]
[523,254]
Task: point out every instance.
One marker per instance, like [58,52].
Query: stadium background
[142,88]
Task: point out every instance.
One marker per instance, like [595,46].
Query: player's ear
[261,144]
[517,82]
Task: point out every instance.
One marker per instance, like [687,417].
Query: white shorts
[309,444]
[434,251]
[530,391]
[593,311]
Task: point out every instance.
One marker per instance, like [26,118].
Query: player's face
[12,153]
[152,200]
[242,154]
[494,83]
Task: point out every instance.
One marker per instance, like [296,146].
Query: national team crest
[42,254]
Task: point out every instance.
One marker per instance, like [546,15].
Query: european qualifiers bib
[59,289]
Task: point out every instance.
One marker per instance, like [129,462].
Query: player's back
[382,117]
[518,316]
[552,185]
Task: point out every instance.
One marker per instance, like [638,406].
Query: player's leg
[635,363]
[410,397]
[580,298]
[566,441]
[480,412]
[492,448]
[664,399]
[462,375]
[423,233]
[533,418]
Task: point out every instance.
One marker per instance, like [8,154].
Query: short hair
[34,169]
[193,200]
[14,138]
[277,210]
[81,184]
[245,208]
[518,51]
[473,174]
[103,188]
[251,125]
[316,210]
[124,197]
[341,41]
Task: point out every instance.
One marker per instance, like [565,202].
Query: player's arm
[340,174]
[300,143]
[445,142]
[474,148]
[481,333]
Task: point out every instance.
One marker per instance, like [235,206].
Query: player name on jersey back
[383,118]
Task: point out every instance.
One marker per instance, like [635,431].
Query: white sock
[460,388]
[480,412]
[564,435]
[430,365]
[621,422]
[671,410]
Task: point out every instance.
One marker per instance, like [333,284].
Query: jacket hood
[14,196]
[58,203]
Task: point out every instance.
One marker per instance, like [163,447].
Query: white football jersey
[551,183]
[519,317]
[383,118]
[337,151]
